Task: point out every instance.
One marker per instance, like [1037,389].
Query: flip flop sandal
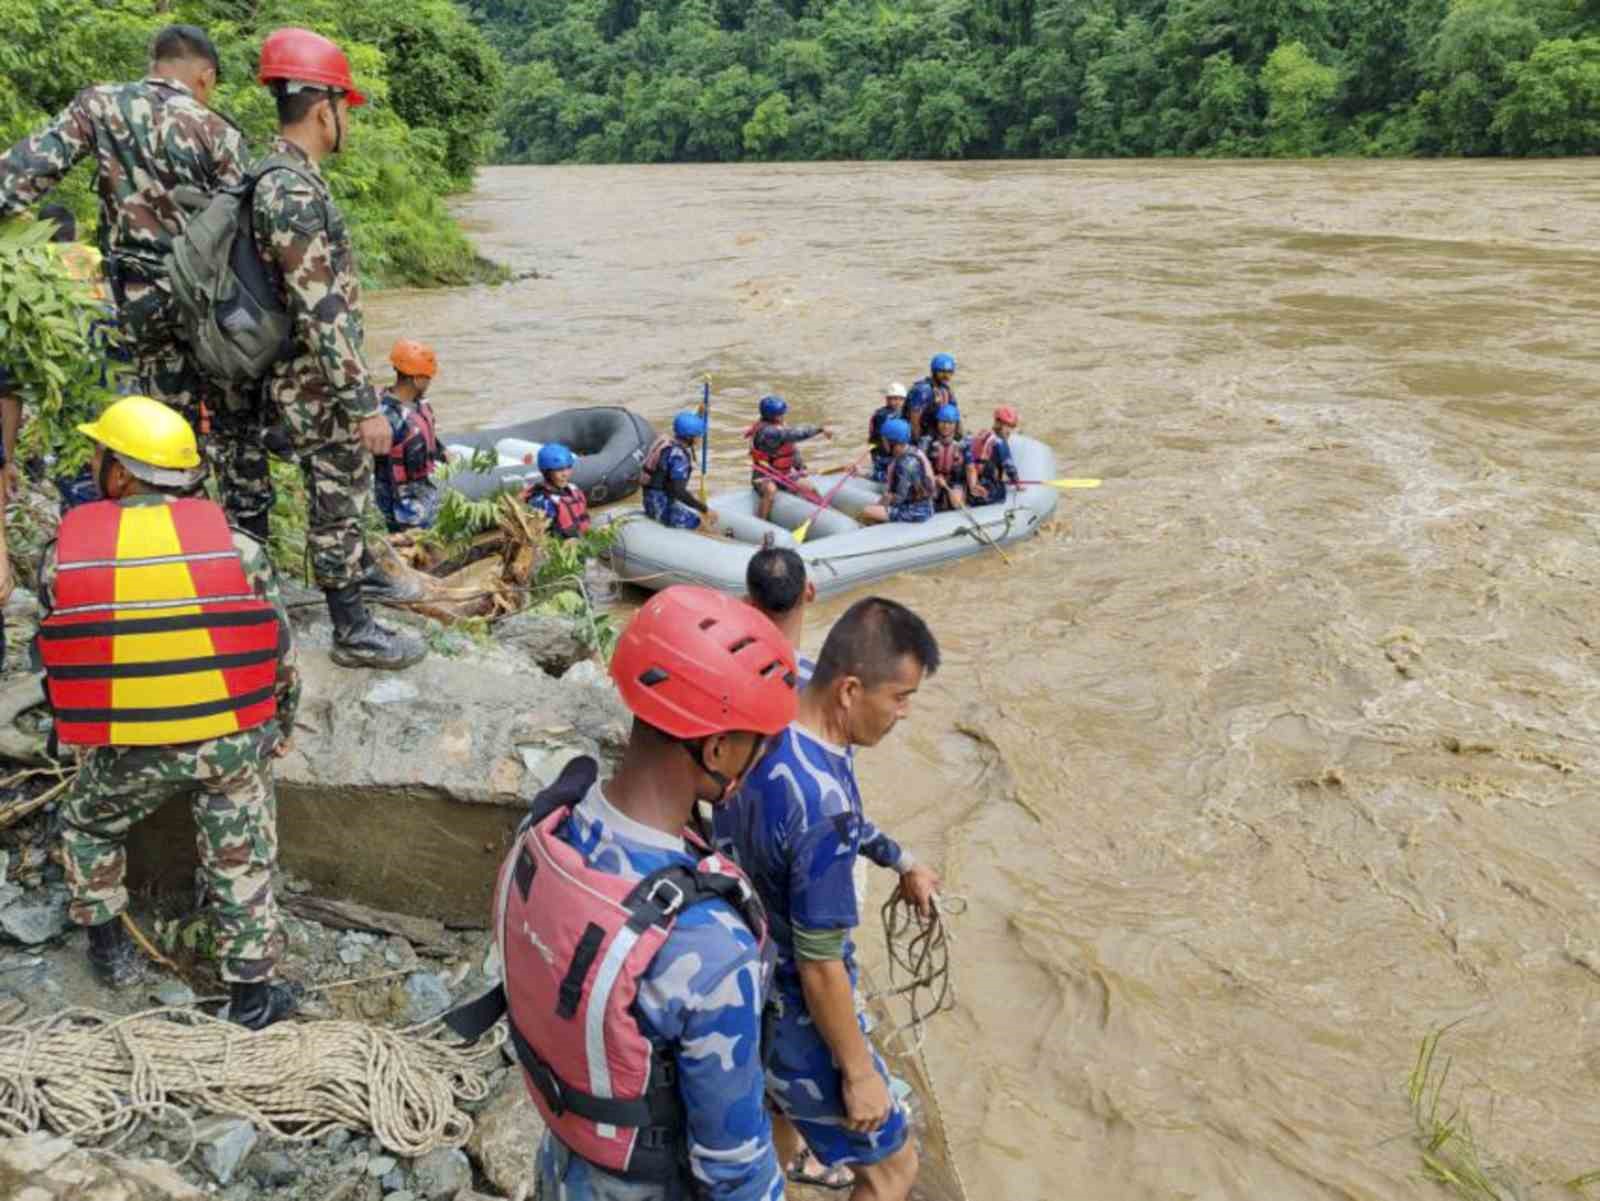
[837,1178]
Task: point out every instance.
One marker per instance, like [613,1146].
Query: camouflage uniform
[324,390]
[148,139]
[227,780]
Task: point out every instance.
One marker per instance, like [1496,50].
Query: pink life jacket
[413,454]
[575,943]
[653,466]
[948,458]
[983,447]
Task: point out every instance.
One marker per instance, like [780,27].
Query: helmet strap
[106,459]
[725,784]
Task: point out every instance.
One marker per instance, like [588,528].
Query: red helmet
[411,357]
[1006,415]
[694,662]
[300,56]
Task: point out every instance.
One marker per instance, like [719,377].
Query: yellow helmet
[146,431]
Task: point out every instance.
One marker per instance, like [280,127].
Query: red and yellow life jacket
[572,508]
[414,453]
[155,636]
[948,458]
[785,460]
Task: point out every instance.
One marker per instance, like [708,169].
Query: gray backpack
[228,304]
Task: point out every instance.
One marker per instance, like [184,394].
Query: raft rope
[87,1074]
[918,950]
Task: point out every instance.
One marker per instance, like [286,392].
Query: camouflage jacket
[263,580]
[147,138]
[306,242]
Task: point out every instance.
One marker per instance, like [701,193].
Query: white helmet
[896,389]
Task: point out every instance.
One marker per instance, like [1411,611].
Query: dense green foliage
[433,79]
[723,80]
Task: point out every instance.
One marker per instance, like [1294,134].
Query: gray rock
[393,1180]
[221,1145]
[243,1191]
[35,921]
[441,1174]
[9,893]
[427,996]
[586,672]
[174,993]
[506,1136]
[273,1168]
[5,865]
[391,690]
[381,1165]
[38,1167]
[404,1194]
[351,954]
[336,1139]
[554,643]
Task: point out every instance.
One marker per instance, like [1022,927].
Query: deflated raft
[840,553]
[610,444]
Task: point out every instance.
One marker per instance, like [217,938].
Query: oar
[983,534]
[801,530]
[1062,483]
[705,437]
[790,485]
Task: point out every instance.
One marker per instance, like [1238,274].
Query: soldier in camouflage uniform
[148,140]
[227,779]
[324,390]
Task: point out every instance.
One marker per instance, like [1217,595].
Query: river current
[1269,757]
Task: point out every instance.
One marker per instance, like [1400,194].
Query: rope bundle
[88,1074]
[918,950]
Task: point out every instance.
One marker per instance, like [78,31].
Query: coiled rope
[86,1074]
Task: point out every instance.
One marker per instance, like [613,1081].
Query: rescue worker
[797,829]
[946,452]
[894,404]
[909,488]
[775,584]
[323,388]
[775,453]
[403,479]
[149,140]
[168,662]
[667,467]
[650,1078]
[990,466]
[565,507]
[928,393]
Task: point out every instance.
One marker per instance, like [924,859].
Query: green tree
[1554,103]
[1300,93]
[768,127]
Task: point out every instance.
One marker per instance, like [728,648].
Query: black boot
[115,960]
[358,641]
[258,1003]
[257,527]
[381,586]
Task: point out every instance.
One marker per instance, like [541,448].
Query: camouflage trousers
[230,442]
[338,477]
[228,783]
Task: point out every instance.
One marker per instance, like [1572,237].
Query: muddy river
[1268,758]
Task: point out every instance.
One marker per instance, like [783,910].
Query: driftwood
[489,579]
[423,932]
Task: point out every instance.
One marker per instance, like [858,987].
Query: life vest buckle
[674,904]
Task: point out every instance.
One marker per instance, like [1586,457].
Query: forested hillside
[434,80]
[722,80]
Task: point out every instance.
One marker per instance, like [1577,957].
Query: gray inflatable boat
[840,552]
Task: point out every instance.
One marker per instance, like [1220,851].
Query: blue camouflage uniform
[880,452]
[994,472]
[958,471]
[796,828]
[413,504]
[804,669]
[925,394]
[702,994]
[909,478]
[676,464]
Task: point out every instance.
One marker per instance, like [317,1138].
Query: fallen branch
[12,814]
[424,932]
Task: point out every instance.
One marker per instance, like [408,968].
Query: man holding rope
[797,829]
[167,658]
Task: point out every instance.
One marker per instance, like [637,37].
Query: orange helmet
[411,357]
[1006,415]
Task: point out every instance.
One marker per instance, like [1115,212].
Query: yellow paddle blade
[801,530]
[1073,483]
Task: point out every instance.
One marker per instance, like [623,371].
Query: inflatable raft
[840,552]
[610,444]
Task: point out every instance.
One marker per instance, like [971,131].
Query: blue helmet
[555,457]
[947,412]
[942,362]
[688,424]
[896,430]
[773,406]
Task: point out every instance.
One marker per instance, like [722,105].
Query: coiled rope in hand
[918,951]
[87,1074]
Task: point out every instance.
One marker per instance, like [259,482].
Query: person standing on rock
[167,659]
[633,955]
[797,828]
[404,488]
[323,389]
[149,141]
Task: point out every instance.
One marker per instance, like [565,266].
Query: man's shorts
[911,510]
[806,1085]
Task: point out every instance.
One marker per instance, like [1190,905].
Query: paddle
[1062,483]
[705,438]
[801,530]
[785,482]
